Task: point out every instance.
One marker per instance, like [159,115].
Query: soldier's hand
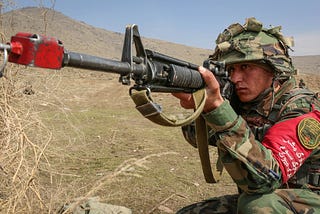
[214,98]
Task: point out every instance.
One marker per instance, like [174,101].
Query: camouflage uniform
[239,130]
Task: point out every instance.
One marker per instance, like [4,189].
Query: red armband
[292,141]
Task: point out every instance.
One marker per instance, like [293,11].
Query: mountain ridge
[81,37]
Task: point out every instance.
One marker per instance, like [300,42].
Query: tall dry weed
[23,141]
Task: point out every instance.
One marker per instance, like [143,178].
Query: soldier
[267,134]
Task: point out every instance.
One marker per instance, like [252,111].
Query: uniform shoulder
[298,101]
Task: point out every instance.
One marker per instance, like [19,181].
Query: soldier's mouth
[241,89]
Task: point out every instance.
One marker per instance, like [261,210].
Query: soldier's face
[250,80]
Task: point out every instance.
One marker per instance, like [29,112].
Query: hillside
[81,37]
[74,134]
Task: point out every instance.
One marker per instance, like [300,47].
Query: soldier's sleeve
[249,163]
[292,141]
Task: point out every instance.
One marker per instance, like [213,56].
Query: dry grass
[20,156]
[24,139]
[131,167]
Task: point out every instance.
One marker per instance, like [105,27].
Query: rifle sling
[152,111]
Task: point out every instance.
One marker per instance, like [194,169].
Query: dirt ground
[96,132]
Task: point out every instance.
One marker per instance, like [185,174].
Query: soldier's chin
[244,97]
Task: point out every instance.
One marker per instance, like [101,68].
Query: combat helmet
[252,42]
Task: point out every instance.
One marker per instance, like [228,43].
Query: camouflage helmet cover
[251,42]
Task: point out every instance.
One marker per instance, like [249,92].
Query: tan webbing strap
[203,149]
[152,111]
[210,175]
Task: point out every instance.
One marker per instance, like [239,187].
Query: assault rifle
[151,71]
[148,69]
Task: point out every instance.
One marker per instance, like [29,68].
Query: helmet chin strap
[273,93]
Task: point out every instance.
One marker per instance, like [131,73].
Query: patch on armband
[308,133]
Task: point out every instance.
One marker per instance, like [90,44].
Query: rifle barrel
[84,61]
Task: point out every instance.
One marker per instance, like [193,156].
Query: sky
[195,23]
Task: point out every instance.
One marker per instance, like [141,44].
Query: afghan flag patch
[309,133]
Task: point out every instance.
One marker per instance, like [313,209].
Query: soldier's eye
[244,66]
[230,70]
